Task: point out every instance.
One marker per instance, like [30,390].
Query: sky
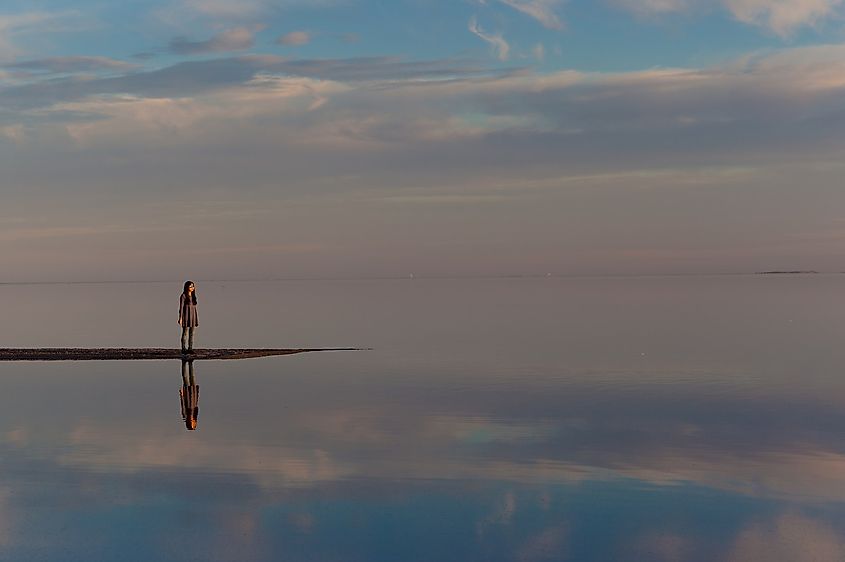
[223,139]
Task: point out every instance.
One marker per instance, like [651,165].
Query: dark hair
[185,291]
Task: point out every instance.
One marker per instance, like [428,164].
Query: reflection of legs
[188,373]
[184,337]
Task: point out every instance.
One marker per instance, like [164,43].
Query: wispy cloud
[390,99]
[15,24]
[544,11]
[61,65]
[235,39]
[654,7]
[233,11]
[194,78]
[294,38]
[783,16]
[227,9]
[500,47]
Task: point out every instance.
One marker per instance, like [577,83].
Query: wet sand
[144,353]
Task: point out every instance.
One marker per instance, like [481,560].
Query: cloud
[752,97]
[193,78]
[654,7]
[241,11]
[328,126]
[65,65]
[782,16]
[497,42]
[226,9]
[544,11]
[295,38]
[767,100]
[235,39]
[12,25]
[151,117]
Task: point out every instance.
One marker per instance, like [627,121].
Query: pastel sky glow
[342,138]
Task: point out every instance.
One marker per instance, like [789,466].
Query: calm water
[687,418]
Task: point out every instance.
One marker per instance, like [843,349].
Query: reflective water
[685,418]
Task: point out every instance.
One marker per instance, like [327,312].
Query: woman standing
[188,316]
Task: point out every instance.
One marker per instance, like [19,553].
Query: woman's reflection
[189,395]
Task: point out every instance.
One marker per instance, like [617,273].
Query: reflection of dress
[189,395]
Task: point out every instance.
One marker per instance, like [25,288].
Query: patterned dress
[188,312]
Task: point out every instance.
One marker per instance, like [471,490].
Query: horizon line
[412,277]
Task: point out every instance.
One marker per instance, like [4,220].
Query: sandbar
[145,353]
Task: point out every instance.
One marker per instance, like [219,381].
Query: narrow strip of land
[129,354]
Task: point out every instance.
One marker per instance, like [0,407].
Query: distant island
[798,272]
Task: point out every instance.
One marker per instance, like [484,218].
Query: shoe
[190,352]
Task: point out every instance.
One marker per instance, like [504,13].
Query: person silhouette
[189,396]
[188,316]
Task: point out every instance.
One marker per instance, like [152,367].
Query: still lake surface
[585,419]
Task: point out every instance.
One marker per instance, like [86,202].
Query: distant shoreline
[796,272]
